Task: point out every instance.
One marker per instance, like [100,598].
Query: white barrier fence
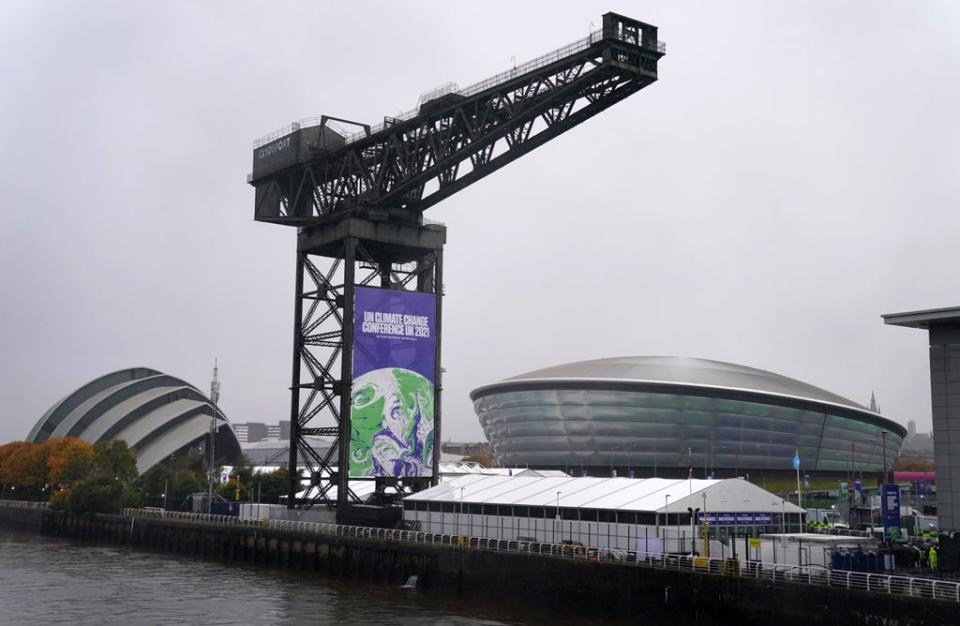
[930,588]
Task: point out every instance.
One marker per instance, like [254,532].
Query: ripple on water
[45,580]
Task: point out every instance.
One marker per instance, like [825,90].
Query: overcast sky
[791,176]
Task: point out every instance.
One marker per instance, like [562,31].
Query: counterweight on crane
[358,199]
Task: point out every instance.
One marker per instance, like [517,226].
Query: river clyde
[47,580]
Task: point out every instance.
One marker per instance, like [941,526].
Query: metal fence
[889,584]
[502,77]
[22,504]
[843,532]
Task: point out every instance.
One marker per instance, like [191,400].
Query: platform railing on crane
[534,64]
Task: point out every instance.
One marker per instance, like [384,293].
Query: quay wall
[600,590]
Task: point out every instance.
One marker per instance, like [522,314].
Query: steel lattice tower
[358,201]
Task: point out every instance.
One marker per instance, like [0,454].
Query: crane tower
[369,267]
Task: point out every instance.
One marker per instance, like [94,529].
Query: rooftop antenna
[211,460]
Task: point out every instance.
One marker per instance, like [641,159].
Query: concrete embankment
[600,590]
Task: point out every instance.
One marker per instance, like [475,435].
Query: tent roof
[623,494]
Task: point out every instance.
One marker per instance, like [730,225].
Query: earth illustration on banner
[391,424]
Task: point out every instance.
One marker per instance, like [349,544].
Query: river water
[46,580]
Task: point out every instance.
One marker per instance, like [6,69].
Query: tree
[271,486]
[7,452]
[97,495]
[156,482]
[109,485]
[228,490]
[916,465]
[242,469]
[26,467]
[184,483]
[114,460]
[486,460]
[70,460]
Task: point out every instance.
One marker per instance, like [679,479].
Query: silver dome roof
[685,371]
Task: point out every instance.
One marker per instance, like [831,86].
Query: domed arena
[155,413]
[666,416]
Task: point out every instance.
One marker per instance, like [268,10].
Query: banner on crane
[392,398]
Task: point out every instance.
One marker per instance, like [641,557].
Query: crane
[357,194]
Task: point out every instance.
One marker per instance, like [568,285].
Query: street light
[666,520]
[556,524]
[693,535]
[883,437]
[460,511]
[706,540]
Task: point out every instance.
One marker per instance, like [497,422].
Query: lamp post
[666,519]
[557,522]
[693,535]
[460,510]
[883,437]
[706,540]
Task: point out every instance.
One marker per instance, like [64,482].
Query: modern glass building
[660,415]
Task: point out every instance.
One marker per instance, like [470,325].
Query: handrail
[483,85]
[23,504]
[889,584]
[843,532]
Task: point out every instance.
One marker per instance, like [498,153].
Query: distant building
[911,428]
[677,417]
[158,415]
[253,432]
[279,431]
[276,453]
[917,445]
[463,448]
[250,432]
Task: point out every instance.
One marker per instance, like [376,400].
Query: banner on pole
[891,507]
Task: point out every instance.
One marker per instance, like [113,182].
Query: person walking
[933,559]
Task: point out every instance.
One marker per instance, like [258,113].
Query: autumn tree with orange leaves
[69,462]
[8,452]
[71,473]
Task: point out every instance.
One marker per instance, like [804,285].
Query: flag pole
[799,501]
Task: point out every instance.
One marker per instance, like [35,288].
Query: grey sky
[792,175]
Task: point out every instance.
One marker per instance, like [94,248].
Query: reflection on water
[46,580]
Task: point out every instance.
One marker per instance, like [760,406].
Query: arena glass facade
[732,419]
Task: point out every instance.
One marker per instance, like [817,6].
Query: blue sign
[796,460]
[891,506]
[737,519]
